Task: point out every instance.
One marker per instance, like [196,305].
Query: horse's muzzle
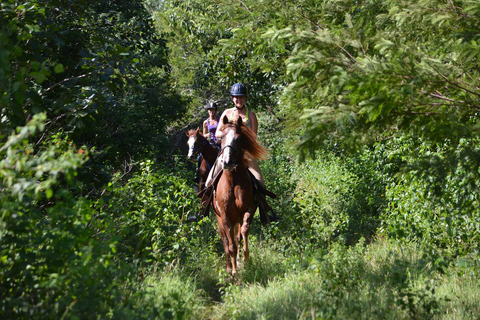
[191,155]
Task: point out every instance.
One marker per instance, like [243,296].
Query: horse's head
[195,142]
[239,143]
[231,144]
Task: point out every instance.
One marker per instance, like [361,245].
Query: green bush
[437,200]
[339,196]
[52,265]
[166,296]
[150,213]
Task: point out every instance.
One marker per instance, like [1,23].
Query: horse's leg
[224,233]
[230,246]
[238,238]
[247,220]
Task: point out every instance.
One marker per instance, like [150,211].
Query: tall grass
[384,280]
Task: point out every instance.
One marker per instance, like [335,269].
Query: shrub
[52,265]
[150,213]
[166,296]
[436,201]
[339,196]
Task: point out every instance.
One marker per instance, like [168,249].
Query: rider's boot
[264,207]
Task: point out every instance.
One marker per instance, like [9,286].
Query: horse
[234,199]
[198,145]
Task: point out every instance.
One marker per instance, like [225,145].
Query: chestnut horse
[198,144]
[233,198]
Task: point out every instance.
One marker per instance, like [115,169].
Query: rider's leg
[197,172]
[213,172]
[255,170]
[264,207]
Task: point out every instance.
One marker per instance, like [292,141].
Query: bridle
[199,151]
[202,147]
[234,150]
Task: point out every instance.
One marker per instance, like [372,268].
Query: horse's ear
[225,120]
[198,129]
[239,124]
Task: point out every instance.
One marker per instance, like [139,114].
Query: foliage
[167,296]
[149,212]
[98,71]
[339,197]
[63,256]
[384,280]
[52,265]
[436,201]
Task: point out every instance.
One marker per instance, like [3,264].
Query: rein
[201,148]
[225,147]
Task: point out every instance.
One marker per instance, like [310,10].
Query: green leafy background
[369,110]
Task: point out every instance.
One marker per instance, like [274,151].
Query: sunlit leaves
[31,173]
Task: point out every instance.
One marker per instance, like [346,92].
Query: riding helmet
[238,89]
[211,105]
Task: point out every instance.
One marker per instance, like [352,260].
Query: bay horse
[233,198]
[199,145]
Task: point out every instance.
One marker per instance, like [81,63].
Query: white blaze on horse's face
[191,144]
[227,160]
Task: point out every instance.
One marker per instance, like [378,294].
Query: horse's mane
[193,132]
[249,142]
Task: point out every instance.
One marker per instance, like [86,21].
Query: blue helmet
[238,89]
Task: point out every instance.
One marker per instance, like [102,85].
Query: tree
[99,72]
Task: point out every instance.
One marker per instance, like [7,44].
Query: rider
[238,93]
[210,124]
[209,129]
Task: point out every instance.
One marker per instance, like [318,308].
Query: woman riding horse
[235,200]
[238,93]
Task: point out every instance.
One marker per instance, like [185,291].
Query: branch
[438,96]
[453,83]
[68,79]
[48,124]
[245,6]
[414,113]
[274,114]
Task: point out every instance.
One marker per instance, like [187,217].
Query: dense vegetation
[370,112]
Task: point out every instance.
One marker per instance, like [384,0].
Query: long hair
[249,143]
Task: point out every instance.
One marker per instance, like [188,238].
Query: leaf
[59,68]
[348,19]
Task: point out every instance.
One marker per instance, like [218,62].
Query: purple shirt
[212,128]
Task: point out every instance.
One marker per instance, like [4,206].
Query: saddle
[259,196]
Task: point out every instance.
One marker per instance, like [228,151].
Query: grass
[382,280]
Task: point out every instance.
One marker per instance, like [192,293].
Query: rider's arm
[253,121]
[205,129]
[220,126]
